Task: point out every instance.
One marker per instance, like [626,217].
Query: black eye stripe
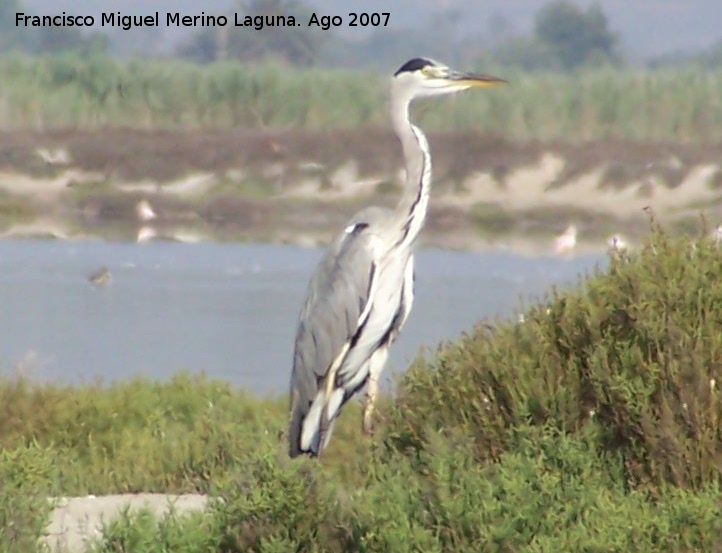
[413,65]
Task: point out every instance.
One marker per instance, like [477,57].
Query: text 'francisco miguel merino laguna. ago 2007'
[176,19]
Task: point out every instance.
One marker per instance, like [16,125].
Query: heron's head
[422,77]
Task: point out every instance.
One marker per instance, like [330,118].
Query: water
[227,309]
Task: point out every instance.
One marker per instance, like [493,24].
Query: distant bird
[101,277]
[564,243]
[145,211]
[617,243]
[146,234]
[58,156]
[362,290]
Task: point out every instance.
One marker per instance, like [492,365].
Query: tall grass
[68,91]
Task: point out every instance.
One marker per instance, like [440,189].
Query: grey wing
[337,296]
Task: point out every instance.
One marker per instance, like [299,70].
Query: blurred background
[610,100]
[256,145]
[533,34]
[646,70]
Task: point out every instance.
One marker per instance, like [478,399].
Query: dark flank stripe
[417,199]
[386,339]
[348,394]
[359,330]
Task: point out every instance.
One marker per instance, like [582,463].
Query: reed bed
[66,91]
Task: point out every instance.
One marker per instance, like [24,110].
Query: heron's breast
[391,280]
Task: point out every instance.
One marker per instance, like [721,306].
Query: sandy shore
[78,520]
[301,186]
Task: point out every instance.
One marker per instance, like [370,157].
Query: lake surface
[227,309]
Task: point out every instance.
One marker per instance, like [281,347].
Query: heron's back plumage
[336,298]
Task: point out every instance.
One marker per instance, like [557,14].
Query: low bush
[27,482]
[636,351]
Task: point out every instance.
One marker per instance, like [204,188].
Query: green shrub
[26,484]
[143,531]
[178,436]
[553,492]
[548,492]
[636,349]
[274,503]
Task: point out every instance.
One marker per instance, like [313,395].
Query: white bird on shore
[617,243]
[564,243]
[145,211]
[145,234]
[186,236]
[58,156]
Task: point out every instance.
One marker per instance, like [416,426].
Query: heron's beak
[474,79]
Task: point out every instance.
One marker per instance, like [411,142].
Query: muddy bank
[301,186]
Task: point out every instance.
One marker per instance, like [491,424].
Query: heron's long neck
[410,213]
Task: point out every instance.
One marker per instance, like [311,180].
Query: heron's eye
[427,71]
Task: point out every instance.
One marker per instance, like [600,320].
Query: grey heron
[363,288]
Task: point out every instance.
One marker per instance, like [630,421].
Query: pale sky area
[648,28]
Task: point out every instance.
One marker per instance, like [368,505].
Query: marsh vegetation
[590,425]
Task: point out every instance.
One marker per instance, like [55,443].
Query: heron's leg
[376,366]
[371,392]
